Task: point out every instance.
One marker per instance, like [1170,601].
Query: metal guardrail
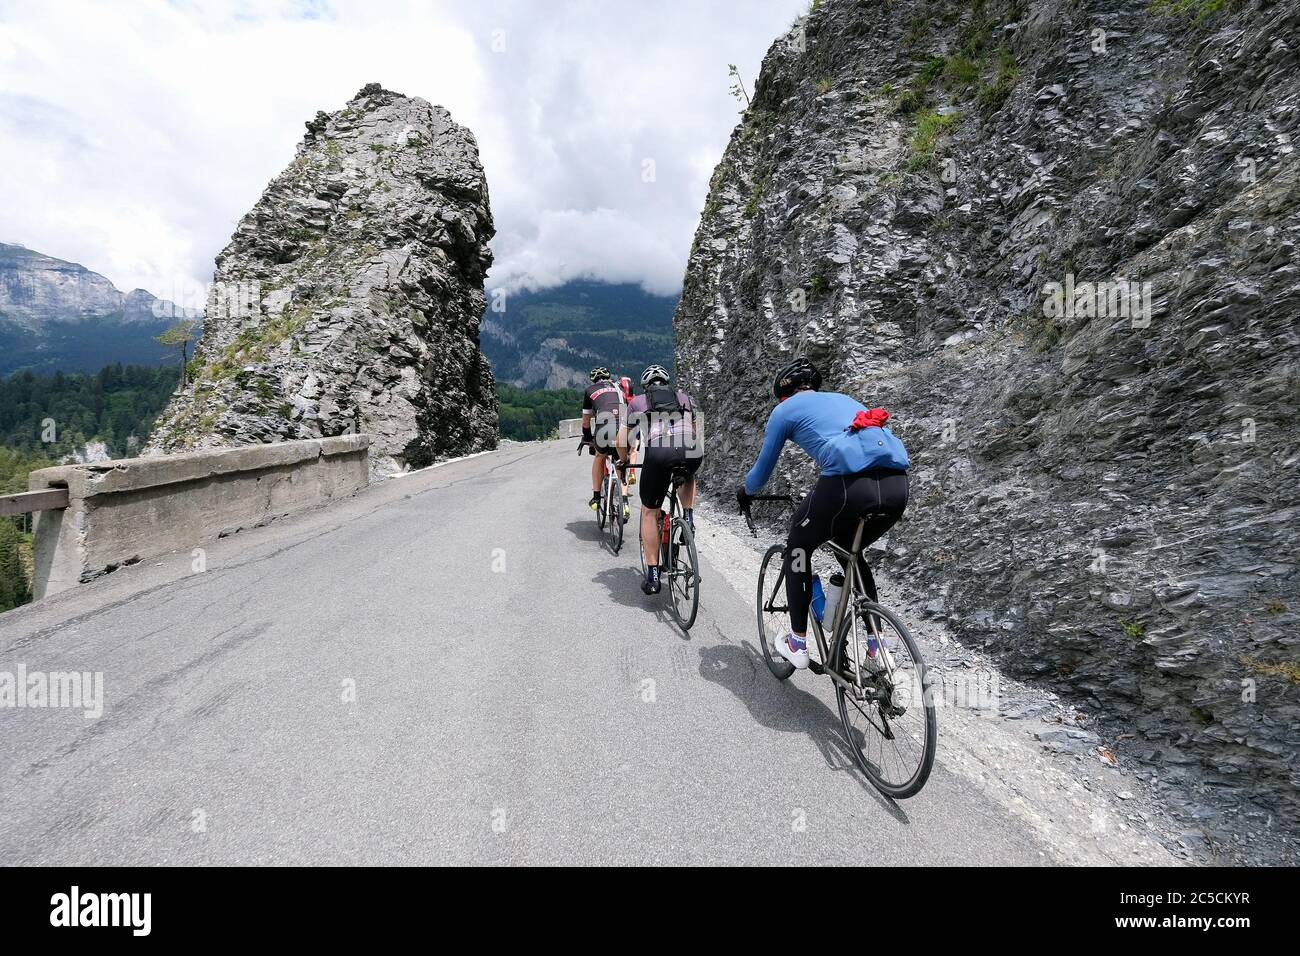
[48,499]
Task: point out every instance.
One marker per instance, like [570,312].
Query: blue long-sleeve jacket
[818,422]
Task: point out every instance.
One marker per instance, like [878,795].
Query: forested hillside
[57,414]
[44,418]
[552,338]
[530,414]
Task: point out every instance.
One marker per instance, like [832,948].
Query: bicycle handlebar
[749,518]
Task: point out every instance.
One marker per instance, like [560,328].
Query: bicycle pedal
[816,666]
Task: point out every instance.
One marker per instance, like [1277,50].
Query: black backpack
[661,398]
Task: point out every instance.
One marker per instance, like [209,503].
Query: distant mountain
[60,316]
[552,338]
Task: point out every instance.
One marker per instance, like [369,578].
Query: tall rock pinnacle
[349,297]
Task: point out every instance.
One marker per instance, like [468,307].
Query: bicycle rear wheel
[893,732]
[614,517]
[683,572]
[773,614]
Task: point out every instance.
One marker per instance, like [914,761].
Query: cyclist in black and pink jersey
[603,417]
[671,431]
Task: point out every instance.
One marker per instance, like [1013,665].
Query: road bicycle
[883,690]
[679,563]
[609,511]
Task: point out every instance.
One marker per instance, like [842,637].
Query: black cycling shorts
[604,434]
[657,472]
[599,448]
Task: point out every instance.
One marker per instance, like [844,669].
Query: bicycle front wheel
[773,615]
[640,541]
[683,574]
[891,726]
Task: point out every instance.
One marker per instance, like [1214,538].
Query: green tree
[180,335]
[530,414]
[14,589]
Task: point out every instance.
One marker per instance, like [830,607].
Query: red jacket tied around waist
[871,418]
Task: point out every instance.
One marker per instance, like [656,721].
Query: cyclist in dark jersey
[670,429]
[603,414]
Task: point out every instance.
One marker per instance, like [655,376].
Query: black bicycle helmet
[599,373]
[800,373]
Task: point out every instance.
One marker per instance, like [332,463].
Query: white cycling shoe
[793,649]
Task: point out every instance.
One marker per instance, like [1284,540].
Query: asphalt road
[499,657]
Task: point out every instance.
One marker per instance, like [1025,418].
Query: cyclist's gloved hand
[743,498]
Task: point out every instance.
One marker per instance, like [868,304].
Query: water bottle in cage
[818,598]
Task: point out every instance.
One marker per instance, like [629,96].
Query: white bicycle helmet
[654,373]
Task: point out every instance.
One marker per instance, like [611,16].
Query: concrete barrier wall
[570,427]
[121,512]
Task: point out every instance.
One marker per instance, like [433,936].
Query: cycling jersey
[603,400]
[602,397]
[819,423]
[664,429]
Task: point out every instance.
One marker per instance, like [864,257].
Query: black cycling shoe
[651,585]
[595,501]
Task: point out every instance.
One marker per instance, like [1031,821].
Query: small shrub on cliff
[909,102]
[929,127]
[1288,671]
[1198,10]
[960,73]
[917,28]
[755,196]
[994,92]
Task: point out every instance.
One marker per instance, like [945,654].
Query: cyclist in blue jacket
[863,474]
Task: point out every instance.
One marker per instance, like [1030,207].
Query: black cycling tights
[831,513]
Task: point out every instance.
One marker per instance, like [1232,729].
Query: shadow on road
[586,529]
[781,705]
[623,582]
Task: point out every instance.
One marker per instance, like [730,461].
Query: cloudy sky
[134,135]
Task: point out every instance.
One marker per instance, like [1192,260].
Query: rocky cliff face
[1058,240]
[349,297]
[35,288]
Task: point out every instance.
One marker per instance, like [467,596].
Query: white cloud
[134,136]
